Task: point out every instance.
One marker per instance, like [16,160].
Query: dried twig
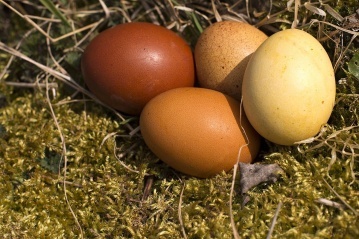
[274,220]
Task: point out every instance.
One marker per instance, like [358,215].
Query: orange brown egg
[198,131]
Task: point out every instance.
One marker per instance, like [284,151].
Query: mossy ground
[39,191]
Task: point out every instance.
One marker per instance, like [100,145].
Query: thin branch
[340,198]
[180,212]
[64,154]
[269,235]
[32,85]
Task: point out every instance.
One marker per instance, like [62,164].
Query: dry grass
[104,162]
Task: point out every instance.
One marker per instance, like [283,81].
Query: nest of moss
[73,168]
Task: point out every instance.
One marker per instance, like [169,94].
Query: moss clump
[107,198]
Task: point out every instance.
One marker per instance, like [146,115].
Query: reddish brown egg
[127,65]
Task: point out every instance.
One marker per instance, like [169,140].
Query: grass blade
[52,8]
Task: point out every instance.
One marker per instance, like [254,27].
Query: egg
[222,53]
[198,131]
[127,65]
[289,87]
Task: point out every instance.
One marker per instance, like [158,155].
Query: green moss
[106,197]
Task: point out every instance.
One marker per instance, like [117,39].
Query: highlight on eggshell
[198,131]
[222,53]
[127,65]
[289,87]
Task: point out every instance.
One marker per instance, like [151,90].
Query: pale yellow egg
[289,87]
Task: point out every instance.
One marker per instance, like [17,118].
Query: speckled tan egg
[198,131]
[222,53]
[127,65]
[289,87]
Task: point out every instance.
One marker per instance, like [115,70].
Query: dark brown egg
[127,65]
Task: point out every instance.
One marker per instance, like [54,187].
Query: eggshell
[289,87]
[127,65]
[198,131]
[222,53]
